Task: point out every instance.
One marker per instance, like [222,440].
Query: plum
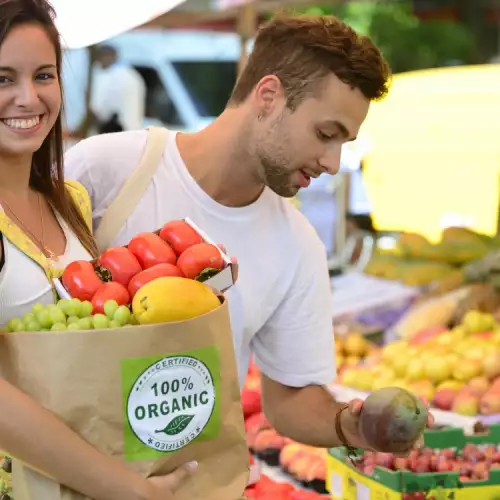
[392,420]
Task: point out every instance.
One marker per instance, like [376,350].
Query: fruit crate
[346,482]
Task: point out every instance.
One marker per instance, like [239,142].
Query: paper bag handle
[127,199]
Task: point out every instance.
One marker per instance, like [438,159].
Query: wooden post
[247,26]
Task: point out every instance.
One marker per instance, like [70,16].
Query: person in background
[305,91]
[44,225]
[118,94]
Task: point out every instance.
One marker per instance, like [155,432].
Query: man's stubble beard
[273,155]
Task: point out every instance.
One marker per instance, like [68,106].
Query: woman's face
[30,95]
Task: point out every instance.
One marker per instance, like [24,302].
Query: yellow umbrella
[435,153]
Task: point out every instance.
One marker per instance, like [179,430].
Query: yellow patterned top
[19,239]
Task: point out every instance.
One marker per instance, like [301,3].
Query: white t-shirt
[18,295]
[119,89]
[281,305]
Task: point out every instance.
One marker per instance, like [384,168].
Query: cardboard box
[344,482]
[222,281]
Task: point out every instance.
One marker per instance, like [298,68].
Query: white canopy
[87,22]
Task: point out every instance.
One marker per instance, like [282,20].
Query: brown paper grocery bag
[155,396]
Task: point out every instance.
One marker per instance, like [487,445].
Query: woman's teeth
[19,123]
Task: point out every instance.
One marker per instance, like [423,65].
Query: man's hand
[234,263]
[307,415]
[350,425]
[164,487]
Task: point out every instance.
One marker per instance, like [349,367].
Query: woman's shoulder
[81,199]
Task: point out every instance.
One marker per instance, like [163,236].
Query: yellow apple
[355,345]
[423,388]
[415,370]
[450,384]
[437,370]
[390,351]
[445,339]
[349,377]
[400,365]
[467,369]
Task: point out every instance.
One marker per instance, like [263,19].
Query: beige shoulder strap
[127,199]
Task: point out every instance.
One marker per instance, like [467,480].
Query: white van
[189,75]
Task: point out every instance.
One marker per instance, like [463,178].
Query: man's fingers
[233,261]
[176,478]
[235,269]
[355,406]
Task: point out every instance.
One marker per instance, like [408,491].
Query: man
[118,94]
[305,91]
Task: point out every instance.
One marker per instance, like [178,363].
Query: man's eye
[325,137]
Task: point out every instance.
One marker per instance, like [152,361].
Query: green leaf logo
[176,425]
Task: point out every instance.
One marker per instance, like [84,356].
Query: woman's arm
[38,438]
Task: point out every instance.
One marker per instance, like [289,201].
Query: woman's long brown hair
[47,172]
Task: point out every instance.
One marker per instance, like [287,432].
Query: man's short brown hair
[301,50]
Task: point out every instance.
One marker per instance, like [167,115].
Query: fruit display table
[456,369]
[355,291]
[452,466]
[274,484]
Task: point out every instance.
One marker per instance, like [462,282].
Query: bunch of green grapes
[5,479]
[72,314]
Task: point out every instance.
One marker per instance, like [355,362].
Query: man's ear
[269,93]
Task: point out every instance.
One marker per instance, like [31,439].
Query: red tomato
[80,280]
[121,263]
[139,280]
[150,250]
[110,291]
[198,258]
[179,235]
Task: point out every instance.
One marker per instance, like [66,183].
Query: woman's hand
[164,487]
[350,426]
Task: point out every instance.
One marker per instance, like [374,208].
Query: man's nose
[331,160]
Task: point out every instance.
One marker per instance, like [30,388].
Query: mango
[392,420]
[170,299]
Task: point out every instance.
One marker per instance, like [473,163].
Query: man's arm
[307,415]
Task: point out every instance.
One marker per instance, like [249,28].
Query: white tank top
[23,282]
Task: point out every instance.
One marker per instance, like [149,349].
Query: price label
[336,485]
[362,491]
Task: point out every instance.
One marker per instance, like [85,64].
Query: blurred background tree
[406,41]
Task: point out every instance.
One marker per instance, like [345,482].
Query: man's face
[294,146]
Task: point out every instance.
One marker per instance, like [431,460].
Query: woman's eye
[45,76]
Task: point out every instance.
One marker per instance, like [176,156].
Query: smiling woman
[44,225]
[42,222]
